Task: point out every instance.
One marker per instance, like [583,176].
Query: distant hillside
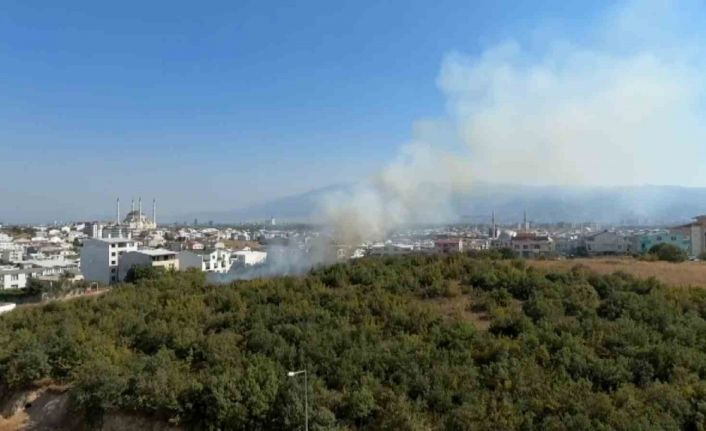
[633,204]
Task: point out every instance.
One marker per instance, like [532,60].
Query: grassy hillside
[400,344]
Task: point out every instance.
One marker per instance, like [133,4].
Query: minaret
[494,228]
[132,205]
[117,211]
[154,212]
[525,224]
[139,200]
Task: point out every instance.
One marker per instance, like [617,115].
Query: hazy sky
[217,105]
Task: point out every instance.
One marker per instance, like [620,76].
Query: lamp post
[306,396]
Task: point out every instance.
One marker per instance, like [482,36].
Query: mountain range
[646,204]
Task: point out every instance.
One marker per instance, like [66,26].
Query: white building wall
[11,280]
[249,257]
[100,259]
[188,259]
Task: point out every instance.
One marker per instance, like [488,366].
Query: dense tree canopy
[411,343]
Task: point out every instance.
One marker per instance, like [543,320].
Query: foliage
[564,350]
[668,252]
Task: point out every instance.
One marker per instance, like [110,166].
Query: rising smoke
[622,105]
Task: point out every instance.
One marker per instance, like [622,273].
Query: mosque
[135,220]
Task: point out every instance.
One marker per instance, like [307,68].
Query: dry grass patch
[673,274]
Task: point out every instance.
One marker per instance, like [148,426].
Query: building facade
[531,245]
[205,260]
[14,278]
[157,258]
[100,258]
[606,243]
[643,243]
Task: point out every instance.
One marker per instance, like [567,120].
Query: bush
[668,252]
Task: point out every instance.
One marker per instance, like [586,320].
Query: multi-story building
[206,260]
[445,246]
[158,258]
[605,243]
[93,229]
[100,258]
[532,245]
[12,255]
[248,257]
[644,242]
[14,278]
[696,231]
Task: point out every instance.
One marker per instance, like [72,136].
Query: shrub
[668,252]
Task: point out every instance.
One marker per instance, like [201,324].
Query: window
[113,270]
[112,254]
[14,277]
[112,262]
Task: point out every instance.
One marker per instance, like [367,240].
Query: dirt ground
[674,274]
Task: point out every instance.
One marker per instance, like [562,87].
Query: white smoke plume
[623,106]
[613,111]
[417,187]
[620,105]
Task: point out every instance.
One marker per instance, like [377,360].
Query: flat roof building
[157,258]
[100,258]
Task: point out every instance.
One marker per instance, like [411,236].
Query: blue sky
[218,105]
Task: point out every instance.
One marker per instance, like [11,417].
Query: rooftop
[156,252]
[111,240]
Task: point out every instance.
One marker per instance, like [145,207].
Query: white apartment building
[11,255]
[248,257]
[158,258]
[205,260]
[100,258]
[14,278]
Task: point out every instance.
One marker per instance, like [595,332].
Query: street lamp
[306,396]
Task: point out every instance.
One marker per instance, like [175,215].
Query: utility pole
[306,395]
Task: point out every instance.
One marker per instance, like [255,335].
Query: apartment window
[113,270]
[112,245]
[14,277]
[112,262]
[112,254]
[674,238]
